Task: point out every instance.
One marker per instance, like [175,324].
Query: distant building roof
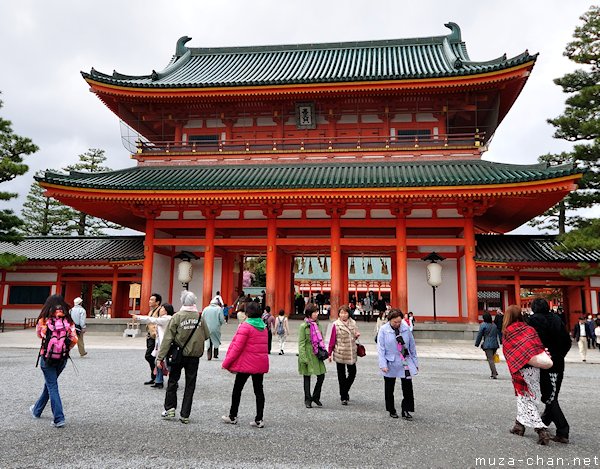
[401,59]
[109,249]
[528,248]
[326,175]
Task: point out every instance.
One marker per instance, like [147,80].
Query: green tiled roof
[118,248]
[428,57]
[330,175]
[528,248]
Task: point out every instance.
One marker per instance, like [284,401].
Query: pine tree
[12,150]
[580,124]
[82,223]
[44,216]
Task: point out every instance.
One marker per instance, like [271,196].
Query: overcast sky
[45,44]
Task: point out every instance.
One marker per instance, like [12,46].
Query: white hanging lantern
[185,271]
[434,274]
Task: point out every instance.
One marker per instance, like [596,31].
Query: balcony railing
[318,144]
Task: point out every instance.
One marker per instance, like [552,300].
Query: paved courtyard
[114,421]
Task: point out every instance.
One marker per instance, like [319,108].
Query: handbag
[361,351]
[541,360]
[175,353]
[496,358]
[322,354]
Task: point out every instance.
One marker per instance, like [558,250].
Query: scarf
[401,348]
[316,339]
[521,342]
[257,322]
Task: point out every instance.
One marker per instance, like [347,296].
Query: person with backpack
[269,321]
[57,331]
[281,329]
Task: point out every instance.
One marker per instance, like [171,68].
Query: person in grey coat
[78,315]
[213,316]
[397,359]
[491,338]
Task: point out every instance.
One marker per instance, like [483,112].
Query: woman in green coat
[310,338]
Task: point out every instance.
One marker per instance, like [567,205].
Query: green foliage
[13,148]
[100,293]
[579,123]
[82,223]
[257,266]
[44,216]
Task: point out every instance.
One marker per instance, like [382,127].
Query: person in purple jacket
[247,356]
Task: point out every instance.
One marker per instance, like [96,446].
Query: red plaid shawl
[520,342]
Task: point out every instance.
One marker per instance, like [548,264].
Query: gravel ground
[114,421]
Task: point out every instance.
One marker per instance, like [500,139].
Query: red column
[394,301]
[401,266]
[113,294]
[587,297]
[336,265]
[271,290]
[209,262]
[147,267]
[517,288]
[471,271]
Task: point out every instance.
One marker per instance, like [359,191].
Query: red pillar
[401,266]
[336,265]
[209,262]
[471,271]
[113,294]
[271,289]
[517,288]
[147,267]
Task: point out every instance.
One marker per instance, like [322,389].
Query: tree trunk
[81,224]
[562,216]
[45,225]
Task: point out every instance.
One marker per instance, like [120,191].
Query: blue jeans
[159,376]
[50,392]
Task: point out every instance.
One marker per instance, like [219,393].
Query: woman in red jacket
[247,356]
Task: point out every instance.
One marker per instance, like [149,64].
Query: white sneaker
[168,414]
[259,424]
[58,424]
[32,414]
[227,419]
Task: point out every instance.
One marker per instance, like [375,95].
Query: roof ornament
[180,49]
[454,36]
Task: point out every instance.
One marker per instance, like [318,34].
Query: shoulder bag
[175,354]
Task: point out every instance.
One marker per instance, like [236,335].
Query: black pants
[270,339]
[316,394]
[408,398]
[236,395]
[550,382]
[345,381]
[190,365]
[150,344]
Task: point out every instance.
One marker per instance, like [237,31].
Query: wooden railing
[319,144]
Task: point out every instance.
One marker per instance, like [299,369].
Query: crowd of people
[534,346]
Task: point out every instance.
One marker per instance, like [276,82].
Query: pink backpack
[57,342]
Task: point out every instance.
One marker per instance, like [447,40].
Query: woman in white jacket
[165,313]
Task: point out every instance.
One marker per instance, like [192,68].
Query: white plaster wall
[197,283]
[18,315]
[420,294]
[160,276]
[463,280]
[595,281]
[594,302]
[31,276]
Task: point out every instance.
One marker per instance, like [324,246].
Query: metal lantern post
[434,276]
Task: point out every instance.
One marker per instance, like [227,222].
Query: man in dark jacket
[556,339]
[498,319]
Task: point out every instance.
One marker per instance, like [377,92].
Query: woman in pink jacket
[247,356]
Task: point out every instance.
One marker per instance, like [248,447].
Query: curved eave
[565,183]
[519,71]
